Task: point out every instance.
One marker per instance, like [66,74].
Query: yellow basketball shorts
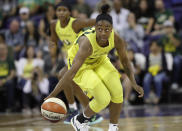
[102,81]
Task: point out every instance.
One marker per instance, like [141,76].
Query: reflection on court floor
[134,118]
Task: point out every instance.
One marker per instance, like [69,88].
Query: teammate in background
[91,69]
[67,30]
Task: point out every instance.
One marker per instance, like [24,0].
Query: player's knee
[118,97]
[105,101]
[99,104]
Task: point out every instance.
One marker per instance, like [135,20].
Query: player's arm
[54,38]
[84,51]
[120,46]
[79,24]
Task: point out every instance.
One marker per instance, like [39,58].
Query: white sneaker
[79,126]
[113,128]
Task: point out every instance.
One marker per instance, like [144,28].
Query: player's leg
[113,84]
[111,79]
[92,83]
[75,90]
[68,91]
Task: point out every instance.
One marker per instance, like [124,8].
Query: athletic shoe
[96,119]
[71,114]
[113,128]
[79,126]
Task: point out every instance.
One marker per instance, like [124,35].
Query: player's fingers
[141,94]
[46,98]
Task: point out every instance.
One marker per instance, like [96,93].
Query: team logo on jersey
[66,42]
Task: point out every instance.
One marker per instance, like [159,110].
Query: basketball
[53,109]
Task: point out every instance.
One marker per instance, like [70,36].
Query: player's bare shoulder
[85,44]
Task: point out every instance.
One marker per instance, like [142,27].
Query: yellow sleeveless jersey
[66,34]
[98,52]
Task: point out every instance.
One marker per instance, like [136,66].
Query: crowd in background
[28,73]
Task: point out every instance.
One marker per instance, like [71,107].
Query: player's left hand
[139,89]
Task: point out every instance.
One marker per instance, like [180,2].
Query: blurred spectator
[39,59]
[31,35]
[156,72]
[1,20]
[120,16]
[162,15]
[81,8]
[44,29]
[133,34]
[57,2]
[45,22]
[172,44]
[48,1]
[8,11]
[24,18]
[91,3]
[145,16]
[2,38]
[53,64]
[32,81]
[33,5]
[170,39]
[8,7]
[15,38]
[7,74]
[130,4]
[97,9]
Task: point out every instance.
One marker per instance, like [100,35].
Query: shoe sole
[97,121]
[73,124]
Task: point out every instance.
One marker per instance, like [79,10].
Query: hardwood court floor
[149,122]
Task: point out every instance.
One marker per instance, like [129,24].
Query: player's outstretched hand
[139,89]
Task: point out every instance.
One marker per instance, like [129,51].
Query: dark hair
[2,37]
[65,4]
[47,6]
[158,42]
[26,51]
[104,15]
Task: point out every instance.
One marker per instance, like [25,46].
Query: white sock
[111,125]
[73,106]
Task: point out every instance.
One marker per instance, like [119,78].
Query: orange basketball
[53,109]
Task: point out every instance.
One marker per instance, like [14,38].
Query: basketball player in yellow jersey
[67,29]
[91,69]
